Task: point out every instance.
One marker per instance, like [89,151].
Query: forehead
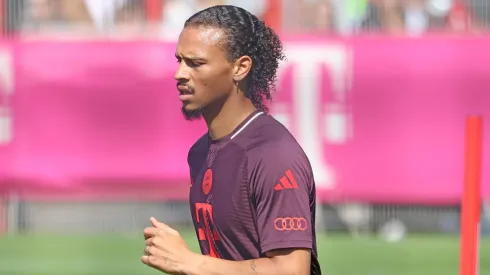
[201,42]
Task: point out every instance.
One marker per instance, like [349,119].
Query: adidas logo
[286,182]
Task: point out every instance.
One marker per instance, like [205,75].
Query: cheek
[214,85]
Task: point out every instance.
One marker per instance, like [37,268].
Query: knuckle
[152,260]
[155,241]
[144,260]
[152,250]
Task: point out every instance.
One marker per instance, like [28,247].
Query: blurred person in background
[317,15]
[349,15]
[174,15]
[130,18]
[422,16]
[41,13]
[120,17]
[87,16]
[417,17]
[204,4]
[57,17]
[480,10]
[13,17]
[176,12]
[387,15]
[307,16]
[75,12]
[256,7]
[103,13]
[460,18]
[345,17]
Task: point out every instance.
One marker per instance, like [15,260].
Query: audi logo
[290,224]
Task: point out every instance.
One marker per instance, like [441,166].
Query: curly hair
[246,35]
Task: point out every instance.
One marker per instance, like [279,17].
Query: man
[253,195]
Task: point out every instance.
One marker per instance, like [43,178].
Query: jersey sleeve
[282,185]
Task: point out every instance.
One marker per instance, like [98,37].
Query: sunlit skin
[167,251]
[211,85]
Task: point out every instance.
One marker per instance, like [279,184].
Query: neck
[233,112]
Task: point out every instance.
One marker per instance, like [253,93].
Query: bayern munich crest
[207,182]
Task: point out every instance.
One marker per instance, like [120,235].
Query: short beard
[192,115]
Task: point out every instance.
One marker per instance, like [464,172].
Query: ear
[242,67]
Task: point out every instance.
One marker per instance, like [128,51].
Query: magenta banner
[382,120]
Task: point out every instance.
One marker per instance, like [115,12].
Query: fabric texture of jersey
[252,192]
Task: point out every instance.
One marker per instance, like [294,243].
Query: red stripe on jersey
[290,176]
[285,183]
[216,235]
[201,234]
[278,187]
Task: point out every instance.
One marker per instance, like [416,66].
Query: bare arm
[278,262]
[166,251]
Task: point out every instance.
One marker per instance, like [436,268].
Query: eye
[195,65]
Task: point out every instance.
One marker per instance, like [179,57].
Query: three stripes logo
[286,182]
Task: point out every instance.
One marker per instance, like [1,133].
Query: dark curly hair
[246,35]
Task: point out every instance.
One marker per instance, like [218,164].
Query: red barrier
[471,202]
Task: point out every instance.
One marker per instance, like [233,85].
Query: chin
[191,113]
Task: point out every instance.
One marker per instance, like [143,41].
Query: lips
[185,97]
[184,90]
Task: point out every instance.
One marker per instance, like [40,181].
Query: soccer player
[252,194]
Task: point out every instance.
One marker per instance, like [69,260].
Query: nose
[182,74]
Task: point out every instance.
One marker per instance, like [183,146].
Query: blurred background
[92,142]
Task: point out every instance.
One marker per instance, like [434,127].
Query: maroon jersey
[252,192]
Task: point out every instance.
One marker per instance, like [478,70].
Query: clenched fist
[165,249]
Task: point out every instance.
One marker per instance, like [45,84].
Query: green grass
[339,255]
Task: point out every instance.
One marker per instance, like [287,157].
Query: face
[205,75]
[206,78]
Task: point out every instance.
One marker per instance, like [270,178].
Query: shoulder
[272,151]
[272,141]
[199,148]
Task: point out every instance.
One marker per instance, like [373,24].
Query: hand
[165,249]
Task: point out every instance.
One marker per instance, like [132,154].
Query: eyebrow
[190,57]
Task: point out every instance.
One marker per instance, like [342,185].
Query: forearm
[204,265]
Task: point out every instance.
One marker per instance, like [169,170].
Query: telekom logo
[6,90]
[308,116]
